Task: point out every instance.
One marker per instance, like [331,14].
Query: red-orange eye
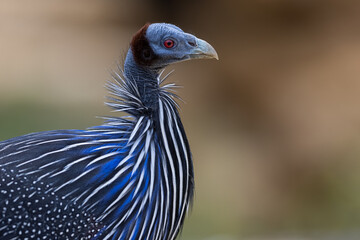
[169,43]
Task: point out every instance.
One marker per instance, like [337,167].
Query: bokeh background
[274,125]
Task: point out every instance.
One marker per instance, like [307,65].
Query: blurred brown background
[274,125]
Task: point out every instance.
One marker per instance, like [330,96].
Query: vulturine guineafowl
[130,178]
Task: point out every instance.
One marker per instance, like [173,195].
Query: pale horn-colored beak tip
[204,50]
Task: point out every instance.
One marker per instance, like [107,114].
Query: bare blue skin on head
[186,46]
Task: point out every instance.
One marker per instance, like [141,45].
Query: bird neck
[146,79]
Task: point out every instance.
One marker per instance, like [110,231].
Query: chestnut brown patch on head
[140,47]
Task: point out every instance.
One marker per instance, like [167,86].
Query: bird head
[160,44]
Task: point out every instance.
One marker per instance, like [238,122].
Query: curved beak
[203,50]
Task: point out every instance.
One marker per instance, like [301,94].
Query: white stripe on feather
[171,162]
[136,128]
[153,220]
[181,175]
[68,166]
[101,158]
[114,178]
[121,195]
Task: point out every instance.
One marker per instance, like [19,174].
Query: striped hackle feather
[130,178]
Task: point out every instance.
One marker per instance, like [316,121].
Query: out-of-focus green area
[274,125]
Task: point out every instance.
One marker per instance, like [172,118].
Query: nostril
[192,43]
